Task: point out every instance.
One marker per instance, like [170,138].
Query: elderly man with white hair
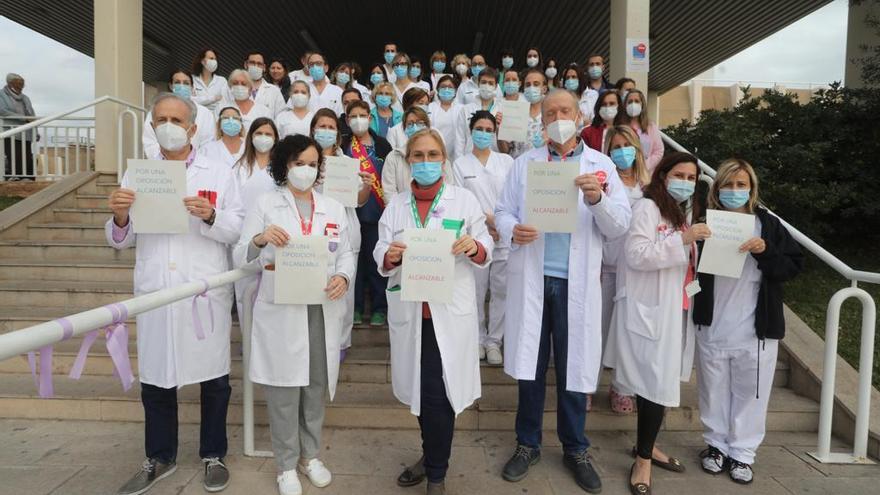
[14,107]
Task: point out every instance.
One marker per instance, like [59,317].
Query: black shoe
[517,467]
[585,475]
[412,475]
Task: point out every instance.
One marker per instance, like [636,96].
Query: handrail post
[247,386]
[823,452]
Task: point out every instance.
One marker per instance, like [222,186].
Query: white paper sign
[721,254]
[552,196]
[341,179]
[159,188]
[514,121]
[301,270]
[637,54]
[428,266]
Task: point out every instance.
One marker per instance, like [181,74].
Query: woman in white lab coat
[296,118]
[444,110]
[397,134]
[483,172]
[534,90]
[240,88]
[435,366]
[228,144]
[396,173]
[295,347]
[208,88]
[655,340]
[401,66]
[626,153]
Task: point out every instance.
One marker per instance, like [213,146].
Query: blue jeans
[571,407]
[368,278]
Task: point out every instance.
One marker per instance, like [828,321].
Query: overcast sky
[812,50]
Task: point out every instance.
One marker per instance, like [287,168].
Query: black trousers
[437,419]
[368,278]
[649,421]
[23,155]
[160,415]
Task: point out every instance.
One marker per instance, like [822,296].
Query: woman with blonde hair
[228,143]
[740,322]
[632,113]
[240,96]
[384,115]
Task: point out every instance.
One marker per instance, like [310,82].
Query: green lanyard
[415,209]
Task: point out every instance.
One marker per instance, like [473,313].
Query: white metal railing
[61,144]
[247,417]
[832,320]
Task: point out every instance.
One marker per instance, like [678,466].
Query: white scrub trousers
[494,281]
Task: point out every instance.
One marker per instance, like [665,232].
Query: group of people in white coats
[620,292]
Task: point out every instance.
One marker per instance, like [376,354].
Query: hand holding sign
[120,202]
[755,245]
[591,186]
[465,245]
[524,234]
[395,252]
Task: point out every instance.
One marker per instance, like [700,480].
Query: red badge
[601,176]
[211,196]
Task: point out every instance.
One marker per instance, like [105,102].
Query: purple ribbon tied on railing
[116,337]
[197,320]
[44,381]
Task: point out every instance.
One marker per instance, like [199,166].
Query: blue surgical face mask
[415,72]
[400,71]
[412,129]
[383,101]
[482,139]
[230,126]
[733,198]
[595,71]
[476,69]
[317,72]
[572,84]
[507,62]
[342,78]
[376,78]
[426,173]
[537,140]
[533,94]
[623,157]
[439,66]
[182,90]
[680,190]
[389,57]
[325,137]
[511,87]
[446,94]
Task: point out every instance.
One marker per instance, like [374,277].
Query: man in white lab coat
[173,350]
[553,294]
[262,92]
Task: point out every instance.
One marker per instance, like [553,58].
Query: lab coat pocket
[642,320]
[399,317]
[464,299]
[149,275]
[267,287]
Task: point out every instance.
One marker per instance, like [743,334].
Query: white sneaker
[494,356]
[740,472]
[288,483]
[318,474]
[482,353]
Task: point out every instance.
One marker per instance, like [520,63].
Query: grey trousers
[296,414]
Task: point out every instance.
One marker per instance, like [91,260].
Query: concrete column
[857,35]
[118,72]
[653,106]
[629,19]
[696,97]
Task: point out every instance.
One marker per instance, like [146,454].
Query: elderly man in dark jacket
[15,110]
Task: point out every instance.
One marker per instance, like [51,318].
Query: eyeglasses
[421,156]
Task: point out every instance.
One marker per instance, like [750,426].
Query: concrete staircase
[56,262]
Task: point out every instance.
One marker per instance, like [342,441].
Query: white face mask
[255,72]
[359,125]
[211,65]
[550,72]
[561,131]
[633,109]
[299,100]
[532,61]
[608,113]
[240,92]
[263,143]
[171,137]
[487,91]
[302,177]
[461,69]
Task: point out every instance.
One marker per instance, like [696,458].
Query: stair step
[91,200]
[62,249]
[67,231]
[90,216]
[15,293]
[362,405]
[66,270]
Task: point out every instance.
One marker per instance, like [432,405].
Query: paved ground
[70,457]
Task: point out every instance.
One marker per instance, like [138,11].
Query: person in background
[470,92]
[180,84]
[574,80]
[416,73]
[278,75]
[596,74]
[635,117]
[356,73]
[487,93]
[510,85]
[384,116]
[297,117]
[414,96]
[624,85]
[506,58]
[740,322]
[209,89]
[342,76]
[402,82]
[324,94]
[654,344]
[267,94]
[443,110]
[377,76]
[605,112]
[551,71]
[371,150]
[534,90]
[533,59]
[389,52]
[302,74]
[483,172]
[435,369]
[14,103]
[348,96]
[396,173]
[171,352]
[625,151]
[438,70]
[293,345]
[241,97]
[467,87]
[228,143]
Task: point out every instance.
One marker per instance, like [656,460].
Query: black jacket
[781,261]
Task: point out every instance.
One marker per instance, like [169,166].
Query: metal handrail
[65,113]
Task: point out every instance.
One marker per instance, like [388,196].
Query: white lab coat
[289,124]
[257,110]
[269,95]
[217,151]
[486,183]
[444,122]
[397,138]
[331,98]
[300,75]
[469,92]
[463,141]
[279,336]
[455,324]
[206,127]
[610,217]
[169,354]
[587,103]
[654,348]
[206,94]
